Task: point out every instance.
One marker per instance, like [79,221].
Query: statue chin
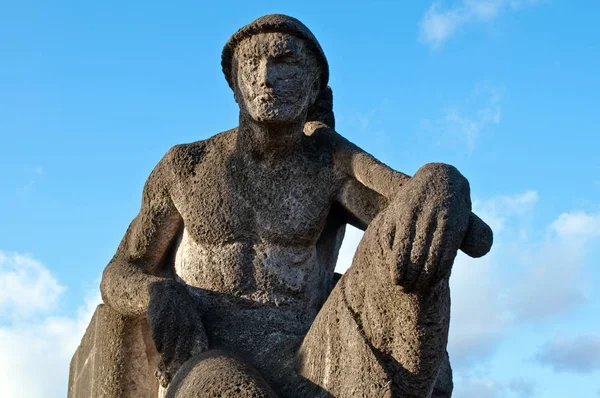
[275,113]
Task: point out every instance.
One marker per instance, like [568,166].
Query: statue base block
[116,359]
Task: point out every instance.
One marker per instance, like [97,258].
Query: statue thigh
[371,339]
[218,374]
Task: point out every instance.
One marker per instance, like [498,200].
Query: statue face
[277,77]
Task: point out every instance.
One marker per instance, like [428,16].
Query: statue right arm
[139,260]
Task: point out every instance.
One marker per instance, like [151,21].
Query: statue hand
[176,327]
[479,238]
[426,226]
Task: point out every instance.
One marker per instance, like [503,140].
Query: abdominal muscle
[255,297]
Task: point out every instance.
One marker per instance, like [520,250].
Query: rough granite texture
[116,358]
[231,258]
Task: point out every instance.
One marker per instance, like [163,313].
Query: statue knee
[440,176]
[436,169]
[437,184]
[216,374]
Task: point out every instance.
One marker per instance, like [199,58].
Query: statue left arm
[372,185]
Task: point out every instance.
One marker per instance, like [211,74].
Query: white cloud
[555,275]
[438,24]
[522,280]
[501,209]
[36,346]
[577,228]
[579,355]
[26,287]
[552,283]
[480,311]
[479,317]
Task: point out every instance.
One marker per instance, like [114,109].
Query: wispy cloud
[478,387]
[578,355]
[463,123]
[488,387]
[524,280]
[33,175]
[522,388]
[366,127]
[439,24]
[36,340]
[484,110]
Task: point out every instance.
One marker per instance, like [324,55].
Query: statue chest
[228,203]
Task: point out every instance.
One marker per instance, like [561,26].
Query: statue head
[278,71]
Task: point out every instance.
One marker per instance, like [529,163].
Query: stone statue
[231,258]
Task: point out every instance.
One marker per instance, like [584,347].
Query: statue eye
[286,58]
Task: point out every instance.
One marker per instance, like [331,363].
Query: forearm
[370,172]
[382,179]
[125,287]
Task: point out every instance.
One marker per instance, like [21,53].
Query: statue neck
[263,141]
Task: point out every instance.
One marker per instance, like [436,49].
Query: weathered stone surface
[116,358]
[231,257]
[386,322]
[217,374]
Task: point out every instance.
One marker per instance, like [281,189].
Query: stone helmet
[322,110]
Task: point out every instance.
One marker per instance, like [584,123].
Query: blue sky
[93,94]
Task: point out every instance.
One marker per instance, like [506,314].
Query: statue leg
[373,339]
[217,374]
[444,384]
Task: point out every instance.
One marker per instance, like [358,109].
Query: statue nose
[265,77]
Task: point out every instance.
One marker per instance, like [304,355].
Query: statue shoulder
[182,159]
[185,157]
[325,137]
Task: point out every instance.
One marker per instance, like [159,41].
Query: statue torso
[253,235]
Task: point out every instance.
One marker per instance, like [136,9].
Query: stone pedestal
[116,359]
